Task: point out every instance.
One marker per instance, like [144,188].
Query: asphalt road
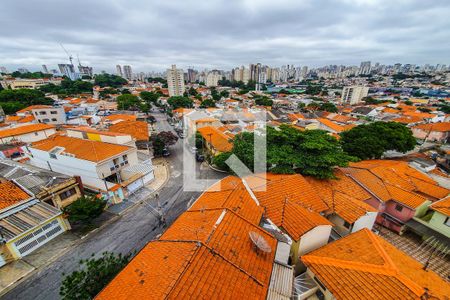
[130,232]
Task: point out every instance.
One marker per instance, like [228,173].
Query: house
[26,133]
[434,223]
[50,115]
[364,111]
[363,265]
[399,191]
[348,210]
[209,253]
[25,222]
[215,140]
[53,188]
[436,132]
[12,151]
[137,129]
[292,205]
[330,126]
[110,169]
[88,133]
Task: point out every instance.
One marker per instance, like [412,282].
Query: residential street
[130,232]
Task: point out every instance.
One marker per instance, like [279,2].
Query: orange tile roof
[93,130]
[364,266]
[218,139]
[137,129]
[26,119]
[206,120]
[230,193]
[330,124]
[408,119]
[343,196]
[442,206]
[11,194]
[205,254]
[289,202]
[24,129]
[120,117]
[390,110]
[295,117]
[400,174]
[82,149]
[440,127]
[29,108]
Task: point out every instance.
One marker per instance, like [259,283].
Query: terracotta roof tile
[82,149]
[219,140]
[364,266]
[440,127]
[120,117]
[137,129]
[24,130]
[11,194]
[442,206]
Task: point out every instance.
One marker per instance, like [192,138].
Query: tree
[289,150]
[158,146]
[328,106]
[94,275]
[85,209]
[313,106]
[219,161]
[104,80]
[408,102]
[128,101]
[167,137]
[180,102]
[262,100]
[149,97]
[301,106]
[14,100]
[424,109]
[192,91]
[372,140]
[207,103]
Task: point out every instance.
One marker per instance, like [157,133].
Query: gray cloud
[151,35]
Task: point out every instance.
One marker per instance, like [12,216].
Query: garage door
[134,186]
[149,177]
[39,237]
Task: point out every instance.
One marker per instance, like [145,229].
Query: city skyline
[223,35]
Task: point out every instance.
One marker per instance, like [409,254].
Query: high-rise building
[364,68]
[191,75]
[175,81]
[354,94]
[23,70]
[213,78]
[3,70]
[119,71]
[127,72]
[85,70]
[69,71]
[44,69]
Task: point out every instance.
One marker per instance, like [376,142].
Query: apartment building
[354,94]
[26,133]
[175,81]
[50,115]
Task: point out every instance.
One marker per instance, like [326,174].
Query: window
[67,194]
[54,120]
[45,120]
[398,207]
[320,283]
[43,112]
[447,221]
[36,133]
[347,224]
[53,112]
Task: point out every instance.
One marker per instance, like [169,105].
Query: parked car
[199,157]
[166,152]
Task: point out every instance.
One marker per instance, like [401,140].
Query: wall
[30,137]
[44,115]
[405,215]
[313,239]
[437,222]
[365,221]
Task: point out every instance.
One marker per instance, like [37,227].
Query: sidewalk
[19,269]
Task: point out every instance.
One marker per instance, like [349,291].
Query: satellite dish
[259,242]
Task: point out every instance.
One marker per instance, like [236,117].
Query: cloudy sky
[151,35]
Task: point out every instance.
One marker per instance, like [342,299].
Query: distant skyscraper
[44,69]
[119,71]
[23,70]
[127,73]
[3,70]
[191,75]
[69,71]
[85,70]
[175,81]
[213,78]
[364,68]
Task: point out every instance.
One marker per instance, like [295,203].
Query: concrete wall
[54,115]
[365,221]
[313,239]
[30,137]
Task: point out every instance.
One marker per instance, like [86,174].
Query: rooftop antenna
[70,56]
[259,242]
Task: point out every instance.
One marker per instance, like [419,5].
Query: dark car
[165,152]
[199,157]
